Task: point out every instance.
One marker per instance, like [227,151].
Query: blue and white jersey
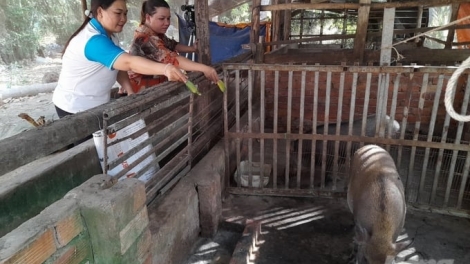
[87,74]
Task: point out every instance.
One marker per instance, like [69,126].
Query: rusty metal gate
[291,129]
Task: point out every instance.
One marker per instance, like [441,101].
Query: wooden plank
[202,31]
[373,6]
[332,57]
[361,31]
[370,34]
[451,33]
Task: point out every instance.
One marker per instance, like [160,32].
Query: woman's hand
[174,74]
[211,74]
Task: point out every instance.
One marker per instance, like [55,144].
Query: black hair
[149,7]
[94,5]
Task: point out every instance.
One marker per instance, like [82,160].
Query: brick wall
[89,225]
[409,93]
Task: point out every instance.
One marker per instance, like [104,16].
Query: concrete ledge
[174,223]
[208,177]
[26,191]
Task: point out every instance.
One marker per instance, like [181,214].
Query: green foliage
[239,14]
[27,22]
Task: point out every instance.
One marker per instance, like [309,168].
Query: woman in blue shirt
[93,61]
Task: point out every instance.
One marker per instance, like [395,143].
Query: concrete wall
[26,191]
[94,224]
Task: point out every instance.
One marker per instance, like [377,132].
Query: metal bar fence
[311,118]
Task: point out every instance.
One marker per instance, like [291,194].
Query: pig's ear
[399,246]
[362,236]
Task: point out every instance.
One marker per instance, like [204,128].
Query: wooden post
[451,32]
[287,20]
[255,21]
[387,36]
[255,29]
[419,20]
[361,32]
[201,8]
[276,26]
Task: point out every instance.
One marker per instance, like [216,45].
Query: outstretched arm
[123,80]
[127,62]
[189,65]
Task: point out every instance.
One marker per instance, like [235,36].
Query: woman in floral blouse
[151,42]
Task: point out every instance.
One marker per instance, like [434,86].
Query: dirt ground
[314,230]
[35,106]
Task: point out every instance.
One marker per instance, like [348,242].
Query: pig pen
[287,111]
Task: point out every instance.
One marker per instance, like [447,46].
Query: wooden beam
[451,32]
[331,37]
[421,56]
[202,31]
[361,31]
[373,6]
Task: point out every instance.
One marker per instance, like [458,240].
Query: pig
[344,129]
[376,198]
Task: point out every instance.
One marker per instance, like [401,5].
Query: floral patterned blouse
[153,46]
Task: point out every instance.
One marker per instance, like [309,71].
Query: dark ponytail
[149,7]
[95,4]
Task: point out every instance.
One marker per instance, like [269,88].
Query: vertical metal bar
[250,126]
[314,129]
[435,107]
[262,117]
[412,194]
[325,130]
[437,173]
[365,110]
[301,127]
[405,119]
[351,114]
[190,129]
[105,144]
[378,108]
[338,128]
[226,133]
[381,110]
[289,123]
[384,106]
[237,124]
[458,138]
[275,141]
[463,185]
[393,107]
